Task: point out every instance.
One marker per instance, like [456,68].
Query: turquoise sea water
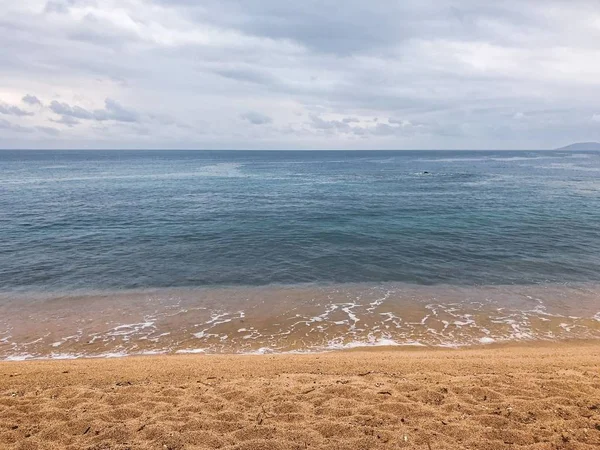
[127,251]
[122,219]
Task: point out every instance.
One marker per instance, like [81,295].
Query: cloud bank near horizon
[287,75]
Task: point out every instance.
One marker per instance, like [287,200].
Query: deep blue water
[127,219]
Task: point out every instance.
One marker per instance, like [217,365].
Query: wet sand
[541,396]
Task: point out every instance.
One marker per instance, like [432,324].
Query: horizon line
[289,150]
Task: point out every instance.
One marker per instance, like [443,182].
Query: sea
[115,253]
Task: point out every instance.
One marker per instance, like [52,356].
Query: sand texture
[542,397]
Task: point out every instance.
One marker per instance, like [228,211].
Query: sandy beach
[541,396]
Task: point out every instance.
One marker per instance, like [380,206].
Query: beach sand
[541,396]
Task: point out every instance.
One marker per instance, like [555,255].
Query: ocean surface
[122,252]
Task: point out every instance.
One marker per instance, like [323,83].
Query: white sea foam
[339,344]
[121,354]
[128,330]
[19,357]
[69,356]
[260,351]
[378,302]
[151,352]
[134,326]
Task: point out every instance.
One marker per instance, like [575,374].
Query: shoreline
[536,395]
[359,348]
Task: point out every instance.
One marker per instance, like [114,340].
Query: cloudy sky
[278,74]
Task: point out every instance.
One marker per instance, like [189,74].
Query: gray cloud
[66,120]
[115,111]
[70,111]
[322,124]
[444,74]
[325,27]
[12,110]
[20,129]
[112,111]
[8,126]
[49,130]
[256,118]
[59,6]
[31,100]
[247,75]
[351,126]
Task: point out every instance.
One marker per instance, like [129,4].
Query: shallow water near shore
[301,318]
[119,253]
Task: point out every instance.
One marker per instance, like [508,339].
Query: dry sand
[543,396]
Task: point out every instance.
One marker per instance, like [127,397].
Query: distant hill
[582,146]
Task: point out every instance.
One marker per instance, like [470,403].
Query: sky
[277,74]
